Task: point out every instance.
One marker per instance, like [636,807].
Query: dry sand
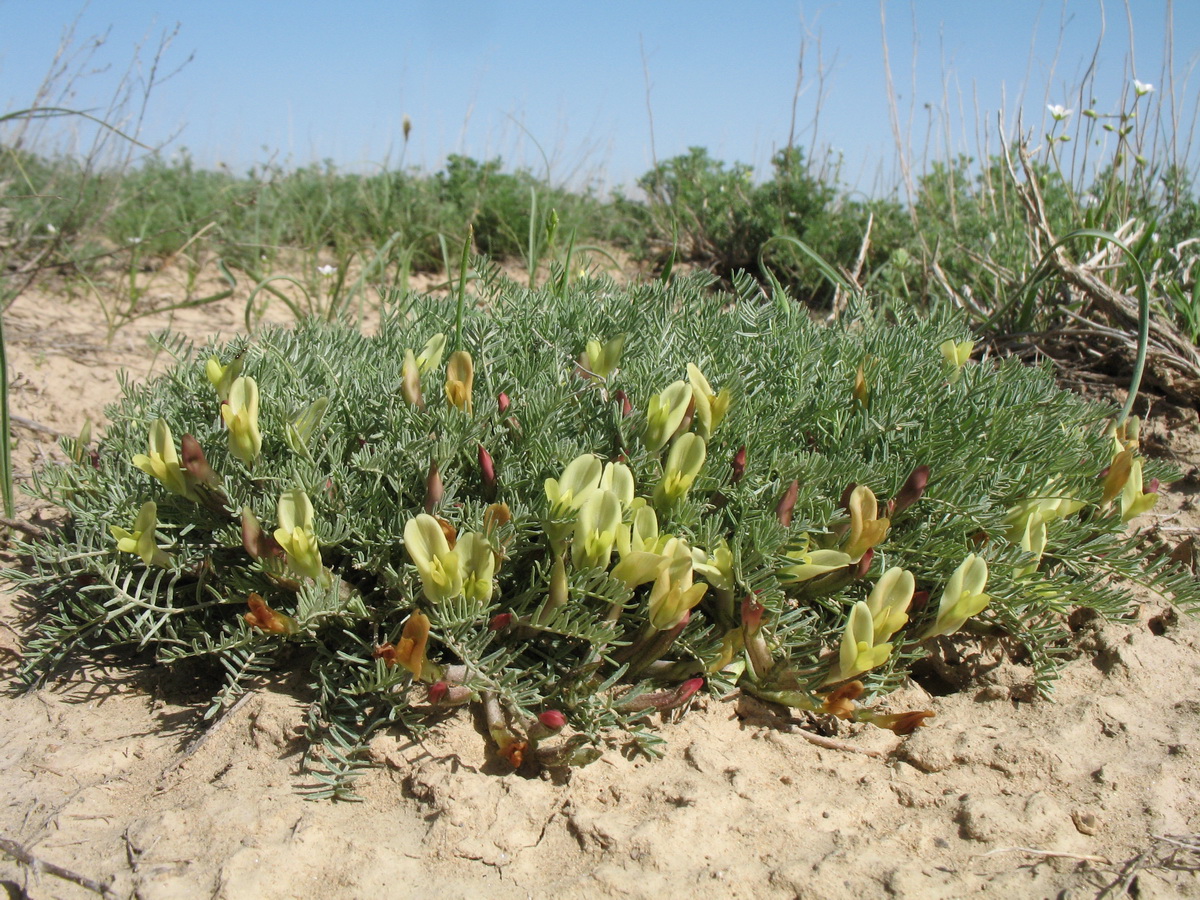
[102,773]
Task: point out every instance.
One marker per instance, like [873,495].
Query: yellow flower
[866,528]
[579,480]
[811,564]
[684,463]
[673,593]
[141,539]
[1033,542]
[222,377]
[436,561]
[716,569]
[294,513]
[410,381]
[478,563]
[163,462]
[889,601]
[859,652]
[601,360]
[962,598]
[1133,501]
[957,353]
[596,531]
[618,478]
[241,418]
[710,408]
[460,378]
[664,415]
[431,354]
[304,425]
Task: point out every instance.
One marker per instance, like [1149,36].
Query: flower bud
[738,465]
[787,503]
[433,488]
[258,543]
[626,406]
[192,456]
[553,719]
[912,489]
[487,471]
[500,621]
[502,403]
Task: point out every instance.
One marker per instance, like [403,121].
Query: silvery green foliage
[997,435]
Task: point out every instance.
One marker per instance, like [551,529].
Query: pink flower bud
[688,688]
[500,621]
[438,691]
[864,564]
[553,719]
[487,471]
[752,614]
[502,403]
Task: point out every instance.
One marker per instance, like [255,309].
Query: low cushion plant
[577,507]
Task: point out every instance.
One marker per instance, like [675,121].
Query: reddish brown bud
[752,614]
[689,688]
[258,543]
[192,456]
[500,621]
[553,719]
[448,530]
[864,564]
[787,503]
[443,693]
[433,488]
[844,502]
[738,465]
[487,471]
[912,489]
[919,601]
[626,406]
[503,403]
[1152,487]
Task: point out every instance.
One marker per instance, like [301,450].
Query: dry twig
[23,856]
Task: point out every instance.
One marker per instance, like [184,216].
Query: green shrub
[783,518]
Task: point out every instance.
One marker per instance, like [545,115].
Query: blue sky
[301,81]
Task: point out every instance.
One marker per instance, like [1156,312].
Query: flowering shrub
[576,509]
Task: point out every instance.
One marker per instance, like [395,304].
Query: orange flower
[410,652]
[840,702]
[263,617]
[901,723]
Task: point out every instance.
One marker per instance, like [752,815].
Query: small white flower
[327,271]
[52,229]
[1141,88]
[1058,112]
[133,240]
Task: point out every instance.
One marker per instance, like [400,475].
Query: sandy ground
[109,773]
